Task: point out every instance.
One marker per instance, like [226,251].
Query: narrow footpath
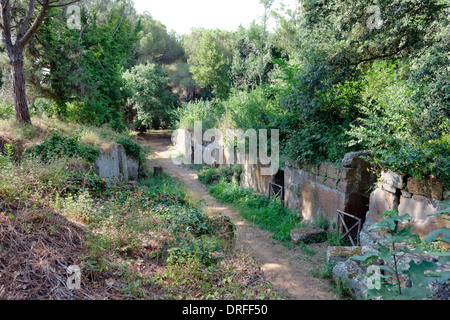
[288,270]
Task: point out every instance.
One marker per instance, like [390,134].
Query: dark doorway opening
[276,187]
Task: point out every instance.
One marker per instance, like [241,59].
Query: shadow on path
[288,272]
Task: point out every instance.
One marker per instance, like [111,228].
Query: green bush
[6,111]
[132,149]
[254,109]
[401,133]
[207,112]
[59,146]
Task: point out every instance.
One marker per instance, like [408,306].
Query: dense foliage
[333,76]
[59,146]
[342,76]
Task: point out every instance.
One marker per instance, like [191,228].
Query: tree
[147,86]
[84,67]
[14,45]
[253,56]
[155,44]
[208,65]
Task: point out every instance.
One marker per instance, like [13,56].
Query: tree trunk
[18,85]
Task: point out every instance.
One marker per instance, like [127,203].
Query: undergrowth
[267,213]
[151,242]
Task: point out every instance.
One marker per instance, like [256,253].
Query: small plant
[325,271]
[334,239]
[306,249]
[341,288]
[321,221]
[132,149]
[7,155]
[390,250]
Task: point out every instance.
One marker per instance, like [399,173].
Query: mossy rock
[308,235]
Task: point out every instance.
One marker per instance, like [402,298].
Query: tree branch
[46,5]
[27,19]
[21,42]
[6,24]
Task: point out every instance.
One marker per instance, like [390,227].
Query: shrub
[403,134]
[59,146]
[254,109]
[6,111]
[206,112]
[132,149]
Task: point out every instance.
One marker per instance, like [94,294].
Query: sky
[183,15]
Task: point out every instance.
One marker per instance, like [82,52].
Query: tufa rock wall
[323,189]
[319,189]
[420,198]
[116,165]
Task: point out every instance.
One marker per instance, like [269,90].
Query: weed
[59,146]
[321,222]
[265,212]
[307,249]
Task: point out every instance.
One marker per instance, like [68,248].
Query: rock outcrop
[116,165]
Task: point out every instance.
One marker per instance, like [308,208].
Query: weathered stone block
[346,186]
[368,237]
[157,171]
[437,189]
[314,169]
[431,187]
[312,177]
[392,179]
[406,194]
[333,172]
[353,159]
[107,165]
[388,188]
[323,167]
[321,179]
[340,254]
[352,273]
[133,168]
[416,186]
[123,163]
[330,183]
[420,209]
[380,202]
[348,174]
[308,234]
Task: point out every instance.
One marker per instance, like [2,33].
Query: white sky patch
[182,15]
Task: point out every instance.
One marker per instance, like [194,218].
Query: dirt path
[287,270]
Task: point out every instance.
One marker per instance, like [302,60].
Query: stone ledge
[430,188]
[392,179]
[340,254]
[308,234]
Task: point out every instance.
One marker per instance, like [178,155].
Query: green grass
[266,213]
[325,271]
[43,129]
